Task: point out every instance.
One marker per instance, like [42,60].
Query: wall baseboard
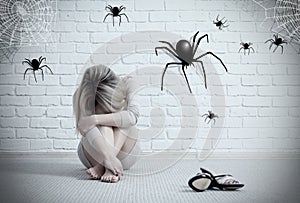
[165,155]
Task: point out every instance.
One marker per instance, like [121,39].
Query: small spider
[114,12]
[277,41]
[246,46]
[185,52]
[35,65]
[211,116]
[219,23]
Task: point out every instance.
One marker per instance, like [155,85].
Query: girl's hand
[86,123]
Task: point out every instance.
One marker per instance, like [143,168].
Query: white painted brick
[68,80]
[294,132]
[74,37]
[228,144]
[30,111]
[182,133]
[294,91]
[66,100]
[14,122]
[60,91]
[293,70]
[181,26]
[286,101]
[149,5]
[286,122]
[61,134]
[89,5]
[193,16]
[120,48]
[66,5]
[6,69]
[256,80]
[7,133]
[7,111]
[14,100]
[286,143]
[163,16]
[286,80]
[294,112]
[67,123]
[272,112]
[272,91]
[44,123]
[74,16]
[12,80]
[7,90]
[59,112]
[242,90]
[64,27]
[65,144]
[91,27]
[273,133]
[257,122]
[139,17]
[236,133]
[242,111]
[257,101]
[166,145]
[285,59]
[244,70]
[27,90]
[31,133]
[271,70]
[257,143]
[74,58]
[50,80]
[14,144]
[41,144]
[44,100]
[179,5]
[60,47]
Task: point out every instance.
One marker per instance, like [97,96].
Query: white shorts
[127,162]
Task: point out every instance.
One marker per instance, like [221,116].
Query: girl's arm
[125,118]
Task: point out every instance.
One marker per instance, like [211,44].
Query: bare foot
[114,164]
[109,177]
[95,172]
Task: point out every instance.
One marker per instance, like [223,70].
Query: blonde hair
[99,85]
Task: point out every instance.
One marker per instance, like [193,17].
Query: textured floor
[64,180]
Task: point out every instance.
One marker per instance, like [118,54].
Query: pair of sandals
[206,180]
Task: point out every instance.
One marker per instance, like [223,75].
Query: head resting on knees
[100,91]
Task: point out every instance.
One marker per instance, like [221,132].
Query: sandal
[200,182]
[223,182]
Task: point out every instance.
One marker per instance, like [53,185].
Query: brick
[66,100]
[272,91]
[14,144]
[66,144]
[60,91]
[67,123]
[61,47]
[89,5]
[168,145]
[272,112]
[242,133]
[74,37]
[7,133]
[286,122]
[44,123]
[294,91]
[64,27]
[256,80]
[286,144]
[61,134]
[294,112]
[12,80]
[228,144]
[30,111]
[44,100]
[7,90]
[182,133]
[31,133]
[60,112]
[257,101]
[286,101]
[14,100]
[242,111]
[7,111]
[242,90]
[90,27]
[257,143]
[41,144]
[193,16]
[286,80]
[143,5]
[66,6]
[273,133]
[179,5]
[257,122]
[28,91]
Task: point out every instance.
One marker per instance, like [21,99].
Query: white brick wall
[261,91]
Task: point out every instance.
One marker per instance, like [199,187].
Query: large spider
[115,11]
[35,65]
[185,52]
[277,41]
[246,46]
[219,23]
[211,116]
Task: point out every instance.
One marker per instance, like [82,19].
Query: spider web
[285,15]
[25,23]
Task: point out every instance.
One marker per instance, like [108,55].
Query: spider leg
[244,51]
[122,8]
[208,121]
[271,45]
[222,19]
[205,119]
[109,7]
[269,40]
[217,17]
[251,49]
[34,76]
[214,121]
[214,56]
[163,74]
[120,19]
[198,42]
[240,49]
[174,54]
[106,16]
[113,18]
[125,16]
[194,39]
[42,74]
[29,63]
[44,58]
[204,74]
[186,78]
[204,115]
[275,49]
[47,67]
[281,49]
[26,72]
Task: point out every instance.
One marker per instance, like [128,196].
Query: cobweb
[285,15]
[25,23]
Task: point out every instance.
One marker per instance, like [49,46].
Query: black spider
[211,116]
[246,46]
[219,23]
[185,52]
[277,41]
[115,11]
[35,65]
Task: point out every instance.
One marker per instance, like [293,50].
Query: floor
[150,180]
